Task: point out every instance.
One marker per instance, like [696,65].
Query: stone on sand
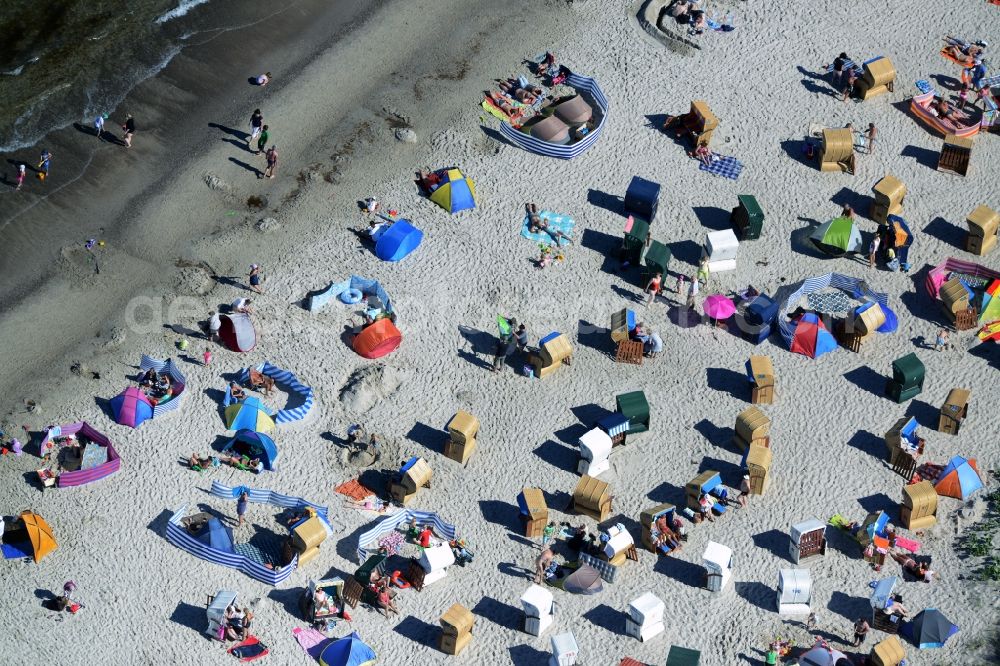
[406,135]
[268,224]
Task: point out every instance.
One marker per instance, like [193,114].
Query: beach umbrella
[585,580]
[455,193]
[959,479]
[837,237]
[39,533]
[348,651]
[131,407]
[811,338]
[249,414]
[719,307]
[929,629]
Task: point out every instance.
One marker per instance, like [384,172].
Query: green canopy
[836,237]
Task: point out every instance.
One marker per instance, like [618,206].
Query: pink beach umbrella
[719,307]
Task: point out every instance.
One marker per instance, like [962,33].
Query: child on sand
[207,357]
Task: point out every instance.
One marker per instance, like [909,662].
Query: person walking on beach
[653,287]
[21,170]
[703,271]
[262,138]
[873,250]
[942,340]
[692,293]
[272,160]
[255,278]
[214,325]
[241,507]
[129,129]
[206,356]
[870,137]
[744,495]
[256,125]
[43,165]
[542,563]
[99,125]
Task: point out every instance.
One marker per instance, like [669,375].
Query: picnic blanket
[726,166]
[310,640]
[830,302]
[556,221]
[354,490]
[252,552]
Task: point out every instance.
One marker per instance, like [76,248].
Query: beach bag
[220,633]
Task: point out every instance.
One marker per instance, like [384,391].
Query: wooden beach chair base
[629,351]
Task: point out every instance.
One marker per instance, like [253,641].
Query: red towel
[354,490]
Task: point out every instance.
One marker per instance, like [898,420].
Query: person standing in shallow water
[129,129]
[43,165]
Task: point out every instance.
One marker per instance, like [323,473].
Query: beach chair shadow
[945,231]
[609,202]
[712,217]
[682,571]
[686,251]
[848,607]
[923,156]
[866,379]
[918,302]
[500,513]
[499,613]
[868,442]
[570,435]
[774,542]
[594,336]
[728,381]
[191,617]
[721,437]
[794,149]
[758,594]
[605,245]
[557,455]
[878,502]
[430,438]
[607,618]
[667,493]
[731,473]
[525,654]
[589,414]
[418,631]
[925,413]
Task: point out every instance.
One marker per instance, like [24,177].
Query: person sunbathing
[963,51]
[506,104]
[537,225]
[943,109]
[237,391]
[199,463]
[429,180]
[149,378]
[916,569]
[703,153]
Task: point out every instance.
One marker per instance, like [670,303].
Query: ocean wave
[180,10]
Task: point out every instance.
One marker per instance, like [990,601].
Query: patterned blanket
[726,166]
[556,221]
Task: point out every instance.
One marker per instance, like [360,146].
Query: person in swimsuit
[272,160]
[262,139]
[21,170]
[129,129]
[43,165]
[263,79]
[255,278]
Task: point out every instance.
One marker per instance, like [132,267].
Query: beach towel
[838,521]
[249,650]
[726,166]
[311,640]
[556,221]
[354,490]
[830,302]
[252,552]
[923,85]
[908,544]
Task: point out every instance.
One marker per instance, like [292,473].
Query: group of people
[158,387]
[509,344]
[260,132]
[238,621]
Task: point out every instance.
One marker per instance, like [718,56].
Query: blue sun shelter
[348,651]
[398,241]
[254,445]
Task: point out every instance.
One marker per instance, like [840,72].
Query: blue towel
[727,167]
[923,85]
[556,221]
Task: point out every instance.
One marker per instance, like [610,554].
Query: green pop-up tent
[837,237]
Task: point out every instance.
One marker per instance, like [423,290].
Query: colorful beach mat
[311,640]
[726,166]
[830,302]
[556,221]
[354,490]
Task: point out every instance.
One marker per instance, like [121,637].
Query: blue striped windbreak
[291,384]
[369,540]
[853,286]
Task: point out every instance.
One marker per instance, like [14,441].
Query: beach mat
[354,490]
[829,302]
[311,640]
[249,650]
[556,221]
[727,167]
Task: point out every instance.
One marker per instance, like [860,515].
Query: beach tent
[821,655]
[959,479]
[398,241]
[900,237]
[585,580]
[254,445]
[837,237]
[237,332]
[40,541]
[131,407]
[811,337]
[929,629]
[378,339]
[216,536]
[249,414]
[348,651]
[455,193]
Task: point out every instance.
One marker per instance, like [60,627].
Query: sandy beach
[180,236]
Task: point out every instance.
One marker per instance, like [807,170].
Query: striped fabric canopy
[369,540]
[584,85]
[179,383]
[853,286]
